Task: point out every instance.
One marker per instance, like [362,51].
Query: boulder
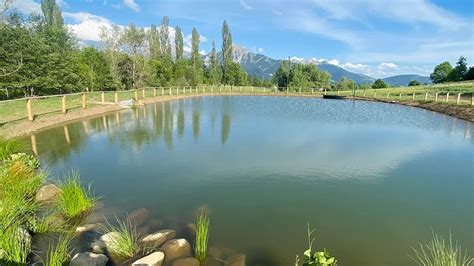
[158,238]
[186,262]
[139,217]
[105,243]
[86,228]
[236,260]
[175,249]
[89,259]
[47,193]
[154,259]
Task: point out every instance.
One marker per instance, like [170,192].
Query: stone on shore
[106,243]
[176,249]
[186,262]
[47,193]
[158,238]
[86,228]
[154,259]
[89,259]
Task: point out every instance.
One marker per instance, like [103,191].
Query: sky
[373,37]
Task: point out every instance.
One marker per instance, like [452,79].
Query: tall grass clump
[8,147]
[202,236]
[441,252]
[74,200]
[59,254]
[124,241]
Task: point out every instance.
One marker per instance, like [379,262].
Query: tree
[459,71]
[280,78]
[178,40]
[164,37]
[414,83]
[134,39]
[51,13]
[379,84]
[441,72]
[94,69]
[346,84]
[214,68]
[112,41]
[226,52]
[196,58]
[154,42]
[469,74]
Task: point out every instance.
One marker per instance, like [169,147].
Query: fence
[32,107]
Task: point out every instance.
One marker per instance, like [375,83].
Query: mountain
[403,80]
[338,72]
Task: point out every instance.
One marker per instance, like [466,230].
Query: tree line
[40,56]
[445,72]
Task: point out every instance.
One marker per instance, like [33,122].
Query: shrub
[202,236]
[74,200]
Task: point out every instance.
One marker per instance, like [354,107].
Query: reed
[74,200]
[124,243]
[202,236]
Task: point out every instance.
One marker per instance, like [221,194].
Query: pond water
[373,179]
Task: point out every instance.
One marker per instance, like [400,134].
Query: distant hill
[403,80]
[264,67]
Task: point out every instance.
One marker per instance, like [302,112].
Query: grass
[125,243]
[59,254]
[441,252]
[8,147]
[74,200]
[202,236]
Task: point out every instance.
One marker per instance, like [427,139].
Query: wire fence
[31,108]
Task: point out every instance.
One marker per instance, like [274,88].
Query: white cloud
[333,62]
[357,67]
[385,65]
[245,5]
[26,6]
[132,5]
[87,26]
[260,50]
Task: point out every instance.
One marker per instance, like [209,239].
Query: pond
[373,179]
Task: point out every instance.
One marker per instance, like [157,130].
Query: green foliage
[125,243]
[441,72]
[59,254]
[414,83]
[28,160]
[8,147]
[301,76]
[459,71]
[439,252]
[202,236]
[196,61]
[95,70]
[469,74]
[74,200]
[318,258]
[179,43]
[379,84]
[346,84]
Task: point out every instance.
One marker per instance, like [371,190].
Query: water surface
[373,179]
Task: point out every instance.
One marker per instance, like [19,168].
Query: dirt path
[21,128]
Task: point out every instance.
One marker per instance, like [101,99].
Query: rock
[236,260]
[186,262]
[175,249]
[89,259]
[24,236]
[86,228]
[139,216]
[154,259]
[190,230]
[158,238]
[47,193]
[105,243]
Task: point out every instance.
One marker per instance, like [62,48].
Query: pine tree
[196,58]
[164,37]
[178,40]
[52,13]
[226,51]
[215,73]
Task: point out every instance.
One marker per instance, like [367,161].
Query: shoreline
[23,128]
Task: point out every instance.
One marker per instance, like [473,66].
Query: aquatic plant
[439,252]
[124,242]
[59,254]
[322,258]
[74,200]
[202,236]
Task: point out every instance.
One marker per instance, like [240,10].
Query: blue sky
[373,37]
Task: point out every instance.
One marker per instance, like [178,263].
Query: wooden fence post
[29,110]
[84,99]
[375,94]
[264,90]
[299,90]
[171,91]
[312,90]
[143,93]
[363,95]
[472,98]
[426,96]
[436,97]
[136,95]
[102,97]
[447,97]
[154,92]
[63,104]
[252,89]
[116,97]
[414,93]
[459,98]
[162,91]
[388,95]
[400,97]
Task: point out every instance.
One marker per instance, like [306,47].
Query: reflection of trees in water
[226,119]
[196,106]
[168,128]
[52,145]
[181,122]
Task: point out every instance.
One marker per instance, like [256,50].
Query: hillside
[403,80]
